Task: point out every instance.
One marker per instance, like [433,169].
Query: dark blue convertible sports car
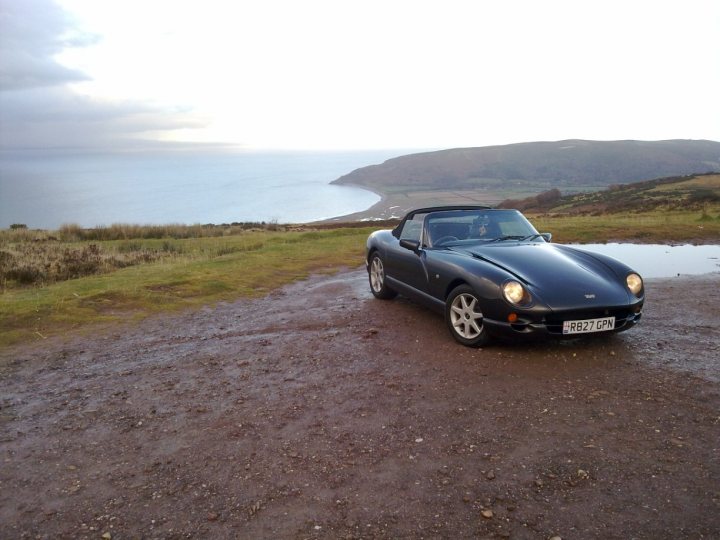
[491,273]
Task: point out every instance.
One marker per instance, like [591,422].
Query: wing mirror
[547,236]
[412,245]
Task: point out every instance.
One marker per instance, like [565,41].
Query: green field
[73,279]
[185,273]
[656,227]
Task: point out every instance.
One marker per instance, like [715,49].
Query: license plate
[588,325]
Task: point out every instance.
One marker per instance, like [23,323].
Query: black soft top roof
[445,209]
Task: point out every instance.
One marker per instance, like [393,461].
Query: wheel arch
[453,285]
[371,251]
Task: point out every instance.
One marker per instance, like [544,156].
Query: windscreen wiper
[532,237]
[507,237]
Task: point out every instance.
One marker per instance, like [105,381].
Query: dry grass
[37,257]
[185,273]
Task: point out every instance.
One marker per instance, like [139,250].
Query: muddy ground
[319,412]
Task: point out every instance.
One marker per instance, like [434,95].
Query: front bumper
[552,324]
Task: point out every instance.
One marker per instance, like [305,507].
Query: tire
[464,317]
[376,275]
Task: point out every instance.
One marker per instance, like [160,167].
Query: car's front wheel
[464,317]
[376,273]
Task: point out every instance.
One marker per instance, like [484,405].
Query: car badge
[589,296]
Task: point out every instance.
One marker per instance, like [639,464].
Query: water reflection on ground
[657,260]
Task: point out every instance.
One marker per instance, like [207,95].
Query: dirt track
[321,412]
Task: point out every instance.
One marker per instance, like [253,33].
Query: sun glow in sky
[332,74]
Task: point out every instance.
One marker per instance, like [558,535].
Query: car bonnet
[561,277]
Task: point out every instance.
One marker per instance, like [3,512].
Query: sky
[345,74]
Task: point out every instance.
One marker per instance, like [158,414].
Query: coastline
[396,205]
[384,209]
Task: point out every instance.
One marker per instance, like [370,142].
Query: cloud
[38,108]
[31,33]
[53,118]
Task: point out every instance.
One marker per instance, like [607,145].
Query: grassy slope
[660,226]
[678,209]
[687,192]
[198,277]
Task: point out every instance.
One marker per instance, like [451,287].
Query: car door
[408,266]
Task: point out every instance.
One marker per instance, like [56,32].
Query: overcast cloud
[31,33]
[37,107]
[328,74]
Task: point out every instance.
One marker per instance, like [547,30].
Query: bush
[77,263]
[71,232]
[26,275]
[171,247]
[704,196]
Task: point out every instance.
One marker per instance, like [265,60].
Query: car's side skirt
[417,295]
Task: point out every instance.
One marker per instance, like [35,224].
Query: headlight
[514,292]
[634,283]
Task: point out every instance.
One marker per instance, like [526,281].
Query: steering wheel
[444,239]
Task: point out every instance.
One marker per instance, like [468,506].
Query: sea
[45,190]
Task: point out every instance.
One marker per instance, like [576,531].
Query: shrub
[77,263]
[26,275]
[171,247]
[71,232]
[704,196]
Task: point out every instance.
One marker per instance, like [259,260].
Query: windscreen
[470,226]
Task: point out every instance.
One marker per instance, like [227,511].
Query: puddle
[658,260]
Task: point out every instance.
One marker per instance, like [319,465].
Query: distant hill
[683,192]
[571,165]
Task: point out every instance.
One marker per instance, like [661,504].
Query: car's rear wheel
[464,317]
[376,273]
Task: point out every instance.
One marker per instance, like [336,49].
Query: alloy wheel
[465,318]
